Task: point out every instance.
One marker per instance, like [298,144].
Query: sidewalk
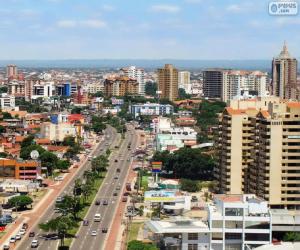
[32,217]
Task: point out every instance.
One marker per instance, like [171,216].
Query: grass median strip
[87,203]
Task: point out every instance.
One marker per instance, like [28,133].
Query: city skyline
[180,29]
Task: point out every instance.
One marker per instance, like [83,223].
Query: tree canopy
[187,163]
[151,88]
[189,185]
[139,245]
[20,202]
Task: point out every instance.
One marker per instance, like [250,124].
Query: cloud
[193,1]
[234,8]
[66,23]
[287,21]
[108,7]
[165,8]
[93,23]
[89,23]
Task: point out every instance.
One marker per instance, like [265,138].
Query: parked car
[124,199]
[97,202]
[5,247]
[22,231]
[18,236]
[12,239]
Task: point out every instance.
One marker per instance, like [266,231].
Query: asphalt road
[109,141]
[84,239]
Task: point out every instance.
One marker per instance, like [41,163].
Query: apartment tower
[168,82]
[11,71]
[259,150]
[284,74]
[137,74]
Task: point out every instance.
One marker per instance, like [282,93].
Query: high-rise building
[11,71]
[258,150]
[168,82]
[137,74]
[284,74]
[184,81]
[121,86]
[227,84]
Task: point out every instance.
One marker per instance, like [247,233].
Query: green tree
[139,245]
[61,225]
[49,160]
[6,115]
[69,141]
[183,95]
[189,185]
[76,110]
[87,190]
[28,141]
[291,236]
[99,164]
[25,151]
[20,202]
[63,164]
[187,163]
[70,205]
[2,129]
[3,89]
[151,88]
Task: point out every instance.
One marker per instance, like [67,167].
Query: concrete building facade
[168,82]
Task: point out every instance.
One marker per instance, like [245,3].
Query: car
[126,194]
[76,166]
[31,234]
[18,236]
[59,199]
[116,177]
[22,231]
[118,170]
[5,247]
[115,194]
[104,230]
[105,202]
[97,217]
[12,239]
[85,222]
[94,233]
[128,159]
[124,199]
[116,160]
[34,243]
[25,226]
[58,178]
[118,188]
[97,202]
[116,146]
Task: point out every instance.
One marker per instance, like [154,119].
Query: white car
[18,236]
[94,233]
[22,231]
[6,246]
[12,239]
[34,243]
[59,178]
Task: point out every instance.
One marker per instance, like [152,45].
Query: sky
[144,29]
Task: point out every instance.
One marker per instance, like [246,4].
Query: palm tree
[60,225]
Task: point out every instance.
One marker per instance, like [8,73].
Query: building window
[192,246]
[193,236]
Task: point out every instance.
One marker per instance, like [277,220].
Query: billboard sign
[156,166]
[115,101]
[160,196]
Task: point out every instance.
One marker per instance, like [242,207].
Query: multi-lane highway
[111,138]
[121,159]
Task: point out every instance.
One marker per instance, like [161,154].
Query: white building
[138,74]
[239,222]
[95,87]
[235,222]
[151,109]
[184,81]
[7,101]
[57,132]
[43,90]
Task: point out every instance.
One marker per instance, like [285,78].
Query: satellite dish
[34,154]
